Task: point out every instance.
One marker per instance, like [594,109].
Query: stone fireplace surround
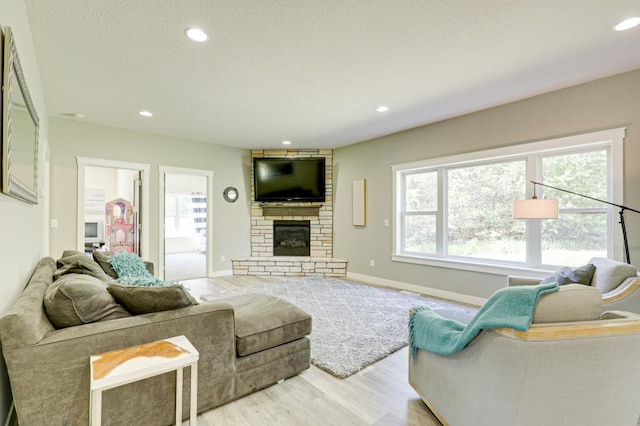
[320,216]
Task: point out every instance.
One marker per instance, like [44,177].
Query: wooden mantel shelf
[291,210]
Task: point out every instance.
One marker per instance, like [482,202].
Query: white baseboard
[442,294]
[224,273]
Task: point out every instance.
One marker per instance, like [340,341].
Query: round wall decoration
[230,194]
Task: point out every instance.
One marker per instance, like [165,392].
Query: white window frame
[612,139]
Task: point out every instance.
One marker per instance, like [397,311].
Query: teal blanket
[510,307]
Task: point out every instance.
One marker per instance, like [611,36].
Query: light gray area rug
[354,325]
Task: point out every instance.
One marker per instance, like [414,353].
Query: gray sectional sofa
[246,343]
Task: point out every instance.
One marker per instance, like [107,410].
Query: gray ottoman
[263,322]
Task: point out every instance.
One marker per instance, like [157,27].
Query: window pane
[187,227]
[420,234]
[573,239]
[170,205]
[185,205]
[421,192]
[584,173]
[480,200]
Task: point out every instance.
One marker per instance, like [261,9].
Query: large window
[459,208]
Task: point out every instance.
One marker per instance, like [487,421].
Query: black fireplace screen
[291,238]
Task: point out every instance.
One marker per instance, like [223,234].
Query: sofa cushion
[567,275]
[264,322]
[73,262]
[76,299]
[141,300]
[610,273]
[572,302]
[103,258]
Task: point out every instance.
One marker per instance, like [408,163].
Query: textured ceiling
[313,72]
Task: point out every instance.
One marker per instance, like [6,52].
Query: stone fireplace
[272,256]
[291,238]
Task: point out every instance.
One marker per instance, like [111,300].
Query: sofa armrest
[147,321]
[514,281]
[58,366]
[619,325]
[149,266]
[626,297]
[617,315]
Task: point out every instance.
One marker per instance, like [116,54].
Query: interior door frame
[83,162]
[162,172]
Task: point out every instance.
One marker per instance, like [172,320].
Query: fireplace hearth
[291,238]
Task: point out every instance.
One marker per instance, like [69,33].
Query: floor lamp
[547,208]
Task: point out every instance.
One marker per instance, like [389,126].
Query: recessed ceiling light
[146,113]
[382,108]
[286,142]
[627,24]
[196,34]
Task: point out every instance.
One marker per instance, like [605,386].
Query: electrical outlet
[222,258]
[372,262]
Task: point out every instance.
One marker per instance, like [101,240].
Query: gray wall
[22,224]
[603,104]
[231,167]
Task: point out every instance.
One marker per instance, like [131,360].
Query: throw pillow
[74,262]
[567,275]
[572,302]
[128,265]
[141,300]
[76,299]
[103,258]
[131,270]
[611,273]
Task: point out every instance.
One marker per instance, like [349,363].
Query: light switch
[54,223]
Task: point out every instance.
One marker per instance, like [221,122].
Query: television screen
[93,231]
[289,179]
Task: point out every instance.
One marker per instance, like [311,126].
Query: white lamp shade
[537,208]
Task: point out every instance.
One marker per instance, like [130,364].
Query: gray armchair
[618,282]
[574,366]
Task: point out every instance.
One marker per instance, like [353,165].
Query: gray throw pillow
[567,275]
[103,258]
[76,299]
[142,300]
[78,263]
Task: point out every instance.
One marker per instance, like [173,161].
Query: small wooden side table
[117,368]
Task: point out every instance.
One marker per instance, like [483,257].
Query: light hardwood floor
[377,395]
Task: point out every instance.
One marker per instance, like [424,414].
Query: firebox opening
[291,238]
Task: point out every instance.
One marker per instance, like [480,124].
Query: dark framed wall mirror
[19,128]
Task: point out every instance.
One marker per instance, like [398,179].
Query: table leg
[193,398]
[179,396]
[95,407]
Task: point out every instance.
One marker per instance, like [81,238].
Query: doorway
[184,223]
[101,181]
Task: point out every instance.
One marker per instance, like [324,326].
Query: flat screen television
[289,179]
[93,231]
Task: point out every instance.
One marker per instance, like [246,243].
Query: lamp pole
[621,213]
